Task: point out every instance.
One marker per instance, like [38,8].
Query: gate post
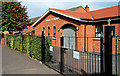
[43,48]
[109,33]
[101,53]
[62,55]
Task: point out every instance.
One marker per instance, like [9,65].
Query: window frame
[100,32]
[54,33]
[48,31]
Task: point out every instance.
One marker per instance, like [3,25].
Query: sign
[53,19]
[76,54]
[51,48]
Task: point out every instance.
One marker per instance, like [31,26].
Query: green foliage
[48,42]
[11,43]
[31,45]
[28,45]
[14,16]
[8,40]
[35,47]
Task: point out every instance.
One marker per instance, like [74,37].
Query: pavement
[14,62]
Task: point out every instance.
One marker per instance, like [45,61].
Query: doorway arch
[69,34]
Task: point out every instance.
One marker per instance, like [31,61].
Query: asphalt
[14,62]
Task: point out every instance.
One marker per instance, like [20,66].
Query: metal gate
[93,61]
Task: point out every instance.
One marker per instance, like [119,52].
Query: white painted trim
[40,18]
[96,38]
[92,17]
[78,19]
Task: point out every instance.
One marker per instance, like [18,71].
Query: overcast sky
[36,8]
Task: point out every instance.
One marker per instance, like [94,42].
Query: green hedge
[31,45]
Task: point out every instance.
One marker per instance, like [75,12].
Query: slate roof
[75,8]
[32,20]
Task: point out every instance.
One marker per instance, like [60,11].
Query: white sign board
[53,19]
[76,54]
[51,48]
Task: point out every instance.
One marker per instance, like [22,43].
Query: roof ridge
[67,10]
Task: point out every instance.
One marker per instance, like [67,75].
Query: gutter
[78,19]
[103,20]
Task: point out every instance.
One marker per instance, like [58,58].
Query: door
[69,34]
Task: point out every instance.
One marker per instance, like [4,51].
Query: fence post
[62,55]
[109,32]
[43,48]
[101,53]
[118,64]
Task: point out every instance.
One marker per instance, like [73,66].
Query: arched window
[54,32]
[48,31]
[44,29]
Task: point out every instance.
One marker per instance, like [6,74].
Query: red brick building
[78,23]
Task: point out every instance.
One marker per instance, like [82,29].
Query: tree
[14,16]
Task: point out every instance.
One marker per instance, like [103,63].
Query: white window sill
[54,38]
[96,38]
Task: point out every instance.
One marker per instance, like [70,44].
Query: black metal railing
[66,59]
[90,62]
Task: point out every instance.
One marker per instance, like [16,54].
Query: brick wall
[90,32]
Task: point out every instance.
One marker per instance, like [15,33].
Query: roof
[30,32]
[28,29]
[80,14]
[106,12]
[75,8]
[75,14]
[32,20]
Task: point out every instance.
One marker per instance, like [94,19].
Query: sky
[36,8]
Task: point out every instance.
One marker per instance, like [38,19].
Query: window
[98,31]
[54,32]
[48,31]
[44,29]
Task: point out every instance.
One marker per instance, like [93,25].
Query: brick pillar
[2,40]
[5,39]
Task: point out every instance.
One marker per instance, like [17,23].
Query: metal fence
[82,58]
[89,61]
[73,61]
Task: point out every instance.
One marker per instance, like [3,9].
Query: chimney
[87,8]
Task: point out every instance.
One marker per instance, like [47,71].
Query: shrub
[30,44]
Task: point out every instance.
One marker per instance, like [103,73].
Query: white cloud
[69,0]
[36,9]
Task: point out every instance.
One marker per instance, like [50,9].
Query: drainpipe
[85,38]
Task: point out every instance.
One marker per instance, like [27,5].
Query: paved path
[14,62]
